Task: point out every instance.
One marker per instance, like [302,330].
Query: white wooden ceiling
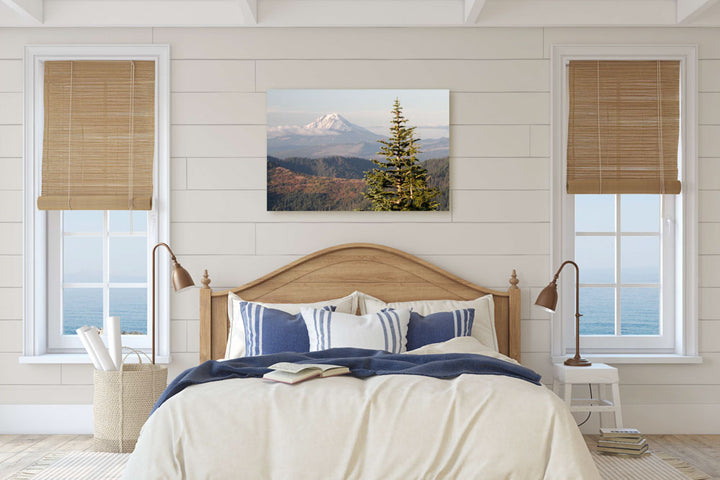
[329,13]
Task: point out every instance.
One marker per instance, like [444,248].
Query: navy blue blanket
[362,363]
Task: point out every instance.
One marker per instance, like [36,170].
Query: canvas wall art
[355,150]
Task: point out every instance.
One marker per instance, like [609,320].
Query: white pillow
[483,325]
[236,336]
[460,345]
[377,331]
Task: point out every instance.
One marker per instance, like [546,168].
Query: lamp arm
[577,360]
[172,256]
[562,265]
[577,283]
[163,244]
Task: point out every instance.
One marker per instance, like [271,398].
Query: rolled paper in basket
[88,348]
[91,333]
[114,341]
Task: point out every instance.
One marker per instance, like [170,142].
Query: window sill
[627,358]
[78,359]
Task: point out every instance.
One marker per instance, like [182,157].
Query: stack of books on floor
[624,441]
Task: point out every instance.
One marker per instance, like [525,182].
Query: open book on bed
[292,373]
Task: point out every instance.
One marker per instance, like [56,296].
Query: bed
[384,426]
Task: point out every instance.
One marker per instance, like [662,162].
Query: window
[636,252]
[626,287]
[98,267]
[82,266]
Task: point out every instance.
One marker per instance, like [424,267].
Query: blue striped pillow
[377,331]
[273,331]
[439,327]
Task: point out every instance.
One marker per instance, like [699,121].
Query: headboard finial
[514,279]
[205,280]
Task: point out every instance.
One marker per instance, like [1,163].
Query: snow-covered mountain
[332,121]
[332,125]
[332,134]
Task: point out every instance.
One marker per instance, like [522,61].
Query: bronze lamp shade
[181,280]
[548,299]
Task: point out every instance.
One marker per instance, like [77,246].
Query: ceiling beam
[472,10]
[32,9]
[360,13]
[690,9]
[249,10]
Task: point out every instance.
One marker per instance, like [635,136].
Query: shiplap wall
[499,83]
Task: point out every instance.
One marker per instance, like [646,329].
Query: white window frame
[683,347]
[35,308]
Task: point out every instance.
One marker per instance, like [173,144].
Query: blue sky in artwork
[428,110]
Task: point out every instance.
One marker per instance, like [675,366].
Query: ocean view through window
[618,246]
[104,269]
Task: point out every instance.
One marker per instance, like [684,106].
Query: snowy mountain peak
[331,121]
[331,128]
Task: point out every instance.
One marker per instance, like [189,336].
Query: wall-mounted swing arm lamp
[181,280]
[548,299]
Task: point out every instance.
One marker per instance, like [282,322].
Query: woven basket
[123,401]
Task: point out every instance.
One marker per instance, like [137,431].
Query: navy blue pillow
[439,327]
[268,330]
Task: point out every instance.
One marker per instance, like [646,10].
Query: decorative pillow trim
[252,316]
[463,320]
[390,320]
[322,322]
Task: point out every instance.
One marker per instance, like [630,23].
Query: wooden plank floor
[700,451]
[19,451]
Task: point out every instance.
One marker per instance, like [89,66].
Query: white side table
[596,374]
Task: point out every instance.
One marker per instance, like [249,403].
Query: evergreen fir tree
[399,181]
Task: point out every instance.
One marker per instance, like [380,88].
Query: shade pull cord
[69,162]
[597,80]
[660,130]
[571,114]
[132,137]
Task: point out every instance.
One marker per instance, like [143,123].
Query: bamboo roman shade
[99,135]
[624,127]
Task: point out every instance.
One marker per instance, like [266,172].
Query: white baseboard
[46,419]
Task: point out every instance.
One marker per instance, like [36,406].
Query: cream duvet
[382,427]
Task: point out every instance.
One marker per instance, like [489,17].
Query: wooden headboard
[380,271]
